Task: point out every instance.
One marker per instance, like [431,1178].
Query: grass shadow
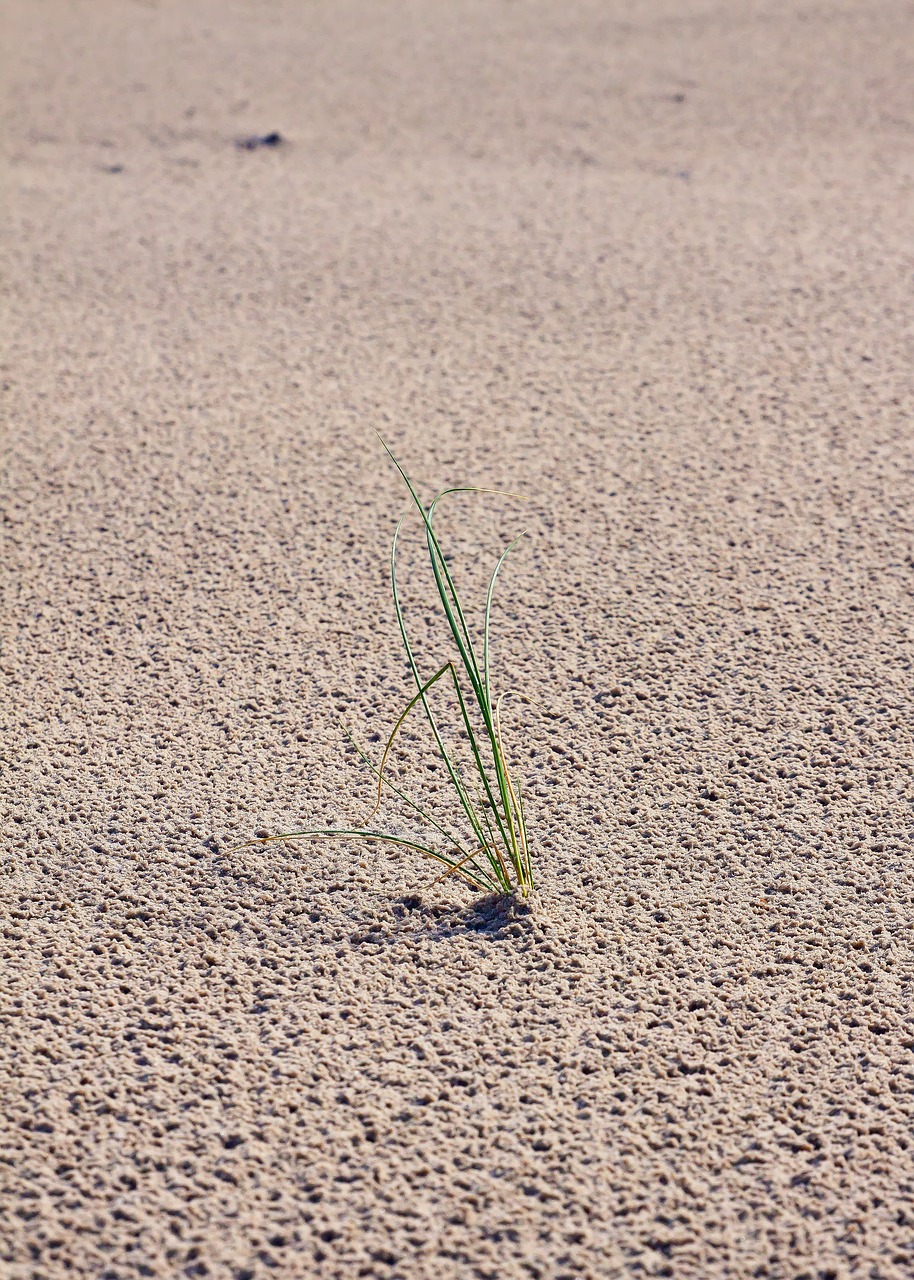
[497,915]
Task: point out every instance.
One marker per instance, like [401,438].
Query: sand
[648,264]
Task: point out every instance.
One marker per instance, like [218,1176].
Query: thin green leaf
[448,666]
[337,833]
[448,835]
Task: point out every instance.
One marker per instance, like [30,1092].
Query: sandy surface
[647,263]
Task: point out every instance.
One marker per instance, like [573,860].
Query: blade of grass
[470,661]
[452,608]
[448,666]
[498,868]
[453,870]
[447,593]
[448,835]
[450,765]
[497,812]
[337,833]
[522,866]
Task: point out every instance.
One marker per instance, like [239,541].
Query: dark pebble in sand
[259,140]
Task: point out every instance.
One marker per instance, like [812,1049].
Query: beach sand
[648,265]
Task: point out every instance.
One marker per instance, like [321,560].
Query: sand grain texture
[649,264]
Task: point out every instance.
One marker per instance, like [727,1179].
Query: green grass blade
[516,816]
[419,697]
[523,822]
[445,583]
[483,774]
[450,765]
[417,808]
[457,624]
[438,557]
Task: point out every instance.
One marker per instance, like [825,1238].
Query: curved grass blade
[443,579]
[453,870]
[448,835]
[450,765]
[498,867]
[448,666]
[471,664]
[337,833]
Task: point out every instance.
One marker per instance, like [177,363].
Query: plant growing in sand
[493,854]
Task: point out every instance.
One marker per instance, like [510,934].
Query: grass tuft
[491,853]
